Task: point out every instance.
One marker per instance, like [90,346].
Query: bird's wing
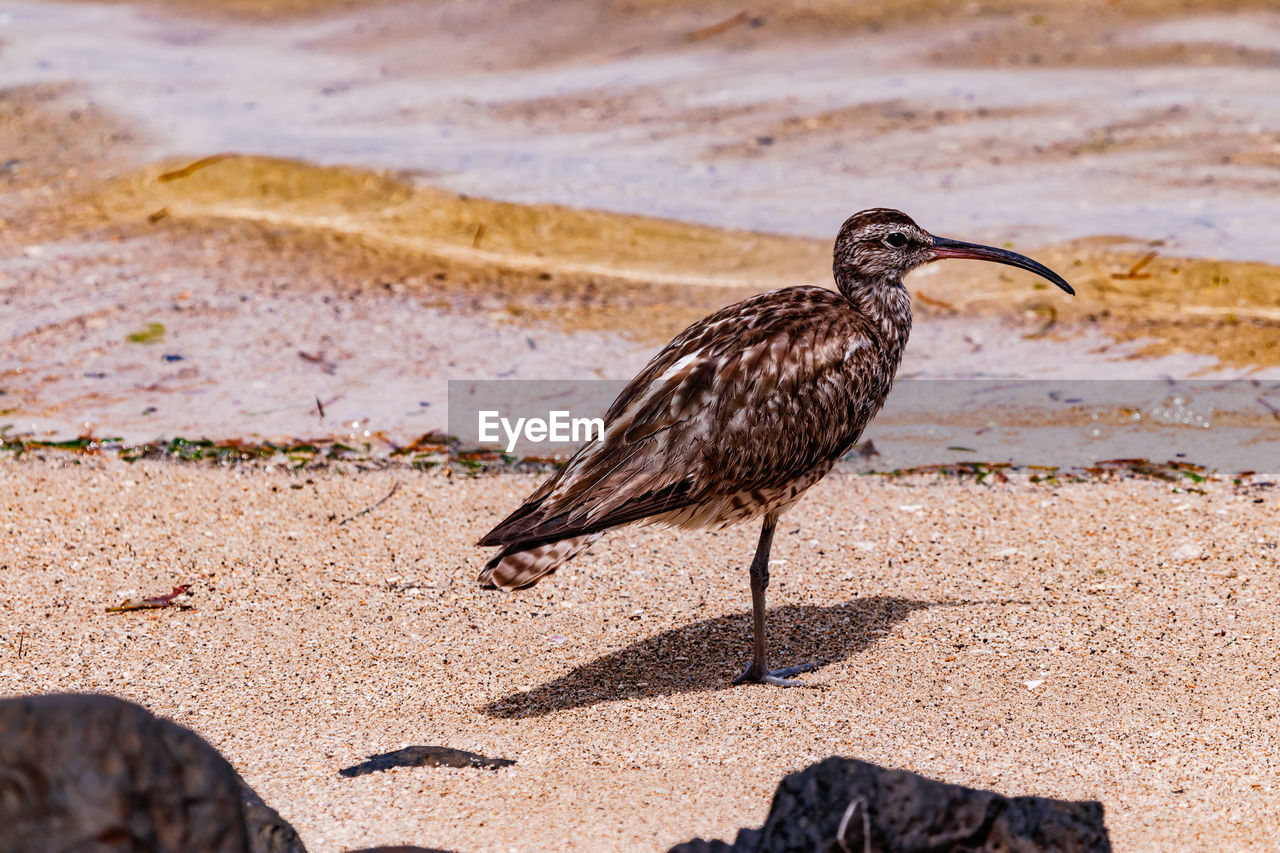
[749,398]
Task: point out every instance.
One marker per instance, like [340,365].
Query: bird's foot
[776,677]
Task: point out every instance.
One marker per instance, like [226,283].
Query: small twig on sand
[190,168]
[22,635]
[1135,271]
[319,407]
[936,303]
[318,359]
[155,602]
[718,28]
[368,510]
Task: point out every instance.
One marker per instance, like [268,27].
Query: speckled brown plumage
[741,413]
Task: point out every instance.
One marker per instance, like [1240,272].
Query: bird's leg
[758,672]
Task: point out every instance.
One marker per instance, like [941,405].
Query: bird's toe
[776,677]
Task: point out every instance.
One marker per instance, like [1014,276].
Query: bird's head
[880,246]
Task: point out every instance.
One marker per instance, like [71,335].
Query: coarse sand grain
[1111,640]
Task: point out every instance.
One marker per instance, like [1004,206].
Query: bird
[740,414]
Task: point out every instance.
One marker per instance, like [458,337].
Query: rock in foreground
[842,805]
[85,772]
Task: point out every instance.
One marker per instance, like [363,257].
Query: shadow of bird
[702,649]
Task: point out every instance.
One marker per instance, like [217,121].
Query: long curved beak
[944,248]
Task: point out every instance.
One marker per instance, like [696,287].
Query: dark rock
[96,773]
[268,832]
[425,756]
[748,839]
[842,805]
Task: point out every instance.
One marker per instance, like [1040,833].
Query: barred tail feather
[518,566]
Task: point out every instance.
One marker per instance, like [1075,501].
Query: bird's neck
[886,305]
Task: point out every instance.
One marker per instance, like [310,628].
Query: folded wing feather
[739,401]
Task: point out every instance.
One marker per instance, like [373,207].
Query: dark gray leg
[759,671]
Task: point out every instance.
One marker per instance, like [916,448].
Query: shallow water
[142,350]
[143,340]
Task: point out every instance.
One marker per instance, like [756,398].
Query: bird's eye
[897,239]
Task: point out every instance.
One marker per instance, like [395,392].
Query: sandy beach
[1108,640]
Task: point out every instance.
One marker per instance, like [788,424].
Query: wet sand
[223,297]
[158,286]
[1037,124]
[1097,640]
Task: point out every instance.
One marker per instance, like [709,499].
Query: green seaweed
[434,450]
[152,333]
